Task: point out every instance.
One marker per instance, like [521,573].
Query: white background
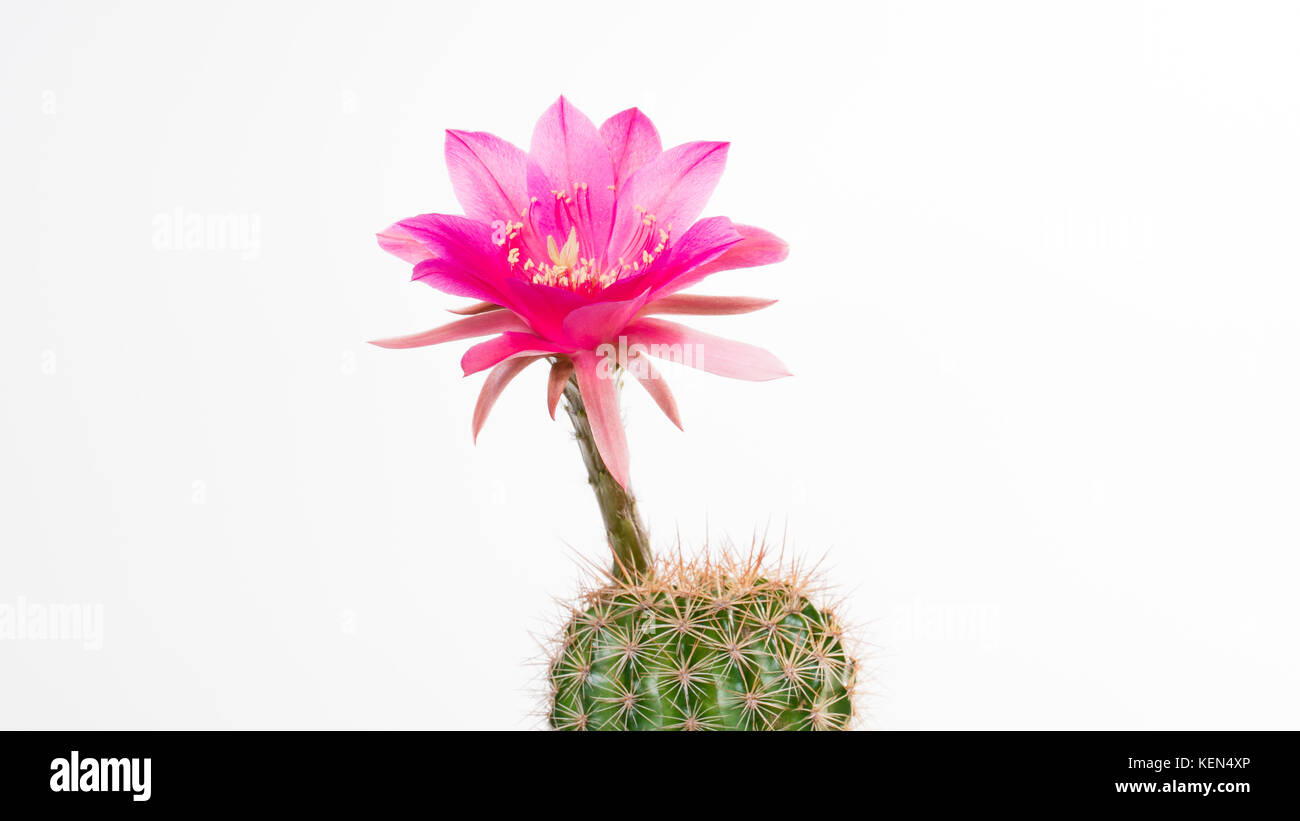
[1040,306]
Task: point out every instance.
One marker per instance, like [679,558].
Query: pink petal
[397,241]
[494,384]
[475,308]
[632,141]
[753,247]
[480,325]
[506,346]
[487,175]
[701,305]
[599,392]
[756,247]
[455,278]
[650,379]
[687,346]
[699,244]
[542,218]
[702,243]
[568,149]
[464,261]
[560,373]
[674,187]
[599,322]
[543,307]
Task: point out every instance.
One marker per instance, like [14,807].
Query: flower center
[581,261]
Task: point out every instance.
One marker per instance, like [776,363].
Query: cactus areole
[571,253]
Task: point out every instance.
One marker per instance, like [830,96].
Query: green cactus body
[729,654]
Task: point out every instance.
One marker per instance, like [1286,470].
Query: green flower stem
[628,538]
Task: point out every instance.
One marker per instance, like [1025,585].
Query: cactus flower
[572,251]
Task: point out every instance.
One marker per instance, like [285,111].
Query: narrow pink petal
[673,187]
[397,241]
[650,378]
[702,305]
[506,346]
[599,391]
[568,148]
[475,308]
[560,373]
[495,383]
[715,354]
[632,141]
[480,325]
[487,175]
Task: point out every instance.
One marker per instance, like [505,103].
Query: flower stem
[628,538]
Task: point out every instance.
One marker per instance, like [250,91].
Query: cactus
[701,646]
[709,644]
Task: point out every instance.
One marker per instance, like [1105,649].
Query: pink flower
[572,250]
